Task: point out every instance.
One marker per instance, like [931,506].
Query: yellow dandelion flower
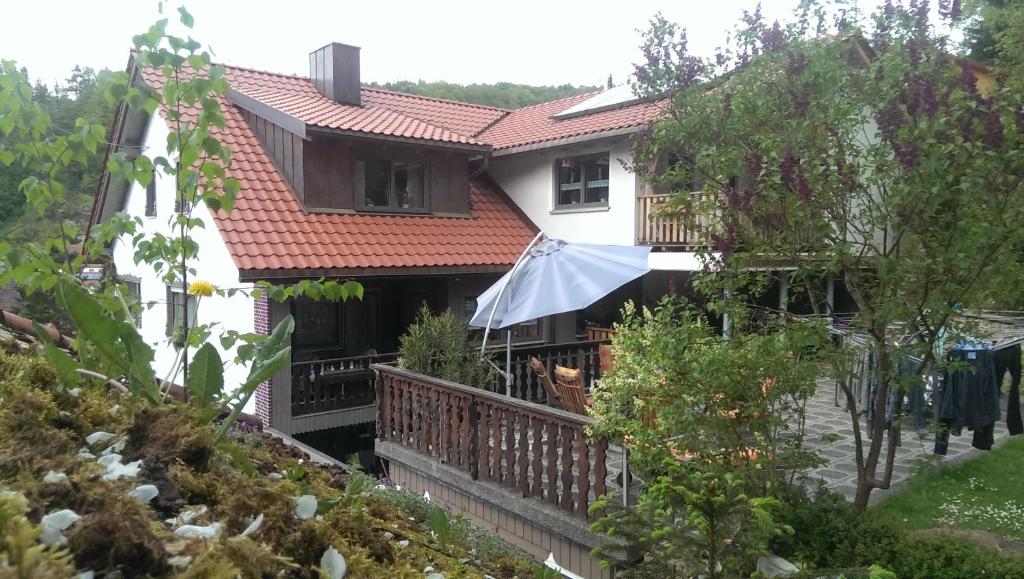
[201,288]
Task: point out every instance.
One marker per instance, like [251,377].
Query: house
[421,200]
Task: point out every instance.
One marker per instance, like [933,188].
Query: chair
[570,386]
[607,358]
[554,398]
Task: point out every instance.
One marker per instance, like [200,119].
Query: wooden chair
[570,386]
[604,352]
[554,398]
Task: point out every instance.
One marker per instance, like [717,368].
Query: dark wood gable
[320,168]
[284,147]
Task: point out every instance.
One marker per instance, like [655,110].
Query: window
[317,324]
[134,298]
[677,174]
[526,331]
[582,182]
[384,184]
[177,302]
[151,196]
[182,204]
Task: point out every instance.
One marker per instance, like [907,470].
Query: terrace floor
[829,432]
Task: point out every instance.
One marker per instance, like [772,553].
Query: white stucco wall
[528,178]
[214,265]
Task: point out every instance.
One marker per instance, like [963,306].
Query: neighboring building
[422,200]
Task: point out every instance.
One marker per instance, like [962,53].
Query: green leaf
[205,381]
[66,366]
[272,355]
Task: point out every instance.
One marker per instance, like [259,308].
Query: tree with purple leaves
[860,149]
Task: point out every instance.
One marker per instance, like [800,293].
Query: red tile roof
[535,124]
[268,232]
[296,96]
[465,118]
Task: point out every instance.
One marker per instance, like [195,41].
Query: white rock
[54,523]
[426,496]
[75,392]
[99,436]
[333,564]
[84,453]
[144,493]
[113,448]
[54,477]
[61,519]
[114,409]
[186,517]
[305,507]
[109,459]
[86,574]
[253,526]
[189,531]
[275,476]
[403,543]
[435,576]
[180,561]
[117,470]
[429,569]
[388,535]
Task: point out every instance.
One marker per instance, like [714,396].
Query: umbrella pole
[497,300]
[508,363]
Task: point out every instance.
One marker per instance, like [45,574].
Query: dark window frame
[392,206]
[584,183]
[151,196]
[134,291]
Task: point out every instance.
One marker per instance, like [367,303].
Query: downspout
[483,166]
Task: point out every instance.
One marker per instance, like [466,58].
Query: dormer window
[582,182]
[390,185]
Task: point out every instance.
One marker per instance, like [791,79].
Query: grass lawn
[986,493]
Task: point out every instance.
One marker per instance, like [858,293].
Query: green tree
[710,424]
[854,148]
[189,98]
[505,95]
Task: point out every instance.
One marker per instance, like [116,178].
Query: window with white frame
[134,298]
[582,182]
[179,305]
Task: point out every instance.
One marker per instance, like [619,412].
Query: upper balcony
[668,228]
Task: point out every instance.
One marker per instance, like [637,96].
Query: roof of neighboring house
[537,124]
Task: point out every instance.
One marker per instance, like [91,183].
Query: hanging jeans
[1008,360]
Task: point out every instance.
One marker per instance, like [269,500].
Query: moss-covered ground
[243,488]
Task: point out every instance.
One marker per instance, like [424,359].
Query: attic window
[390,185]
[582,182]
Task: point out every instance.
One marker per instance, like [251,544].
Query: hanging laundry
[969,397]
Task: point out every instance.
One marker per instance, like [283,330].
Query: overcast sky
[524,41]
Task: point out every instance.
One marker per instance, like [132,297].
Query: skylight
[615,97]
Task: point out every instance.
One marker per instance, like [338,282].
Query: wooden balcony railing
[525,386]
[671,230]
[334,384]
[539,451]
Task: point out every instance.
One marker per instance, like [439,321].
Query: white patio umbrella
[551,277]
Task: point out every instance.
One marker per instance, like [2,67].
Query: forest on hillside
[505,95]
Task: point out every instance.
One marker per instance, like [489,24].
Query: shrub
[829,533]
[442,346]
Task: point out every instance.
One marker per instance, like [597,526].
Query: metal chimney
[334,70]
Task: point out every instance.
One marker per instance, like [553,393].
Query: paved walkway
[829,431]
